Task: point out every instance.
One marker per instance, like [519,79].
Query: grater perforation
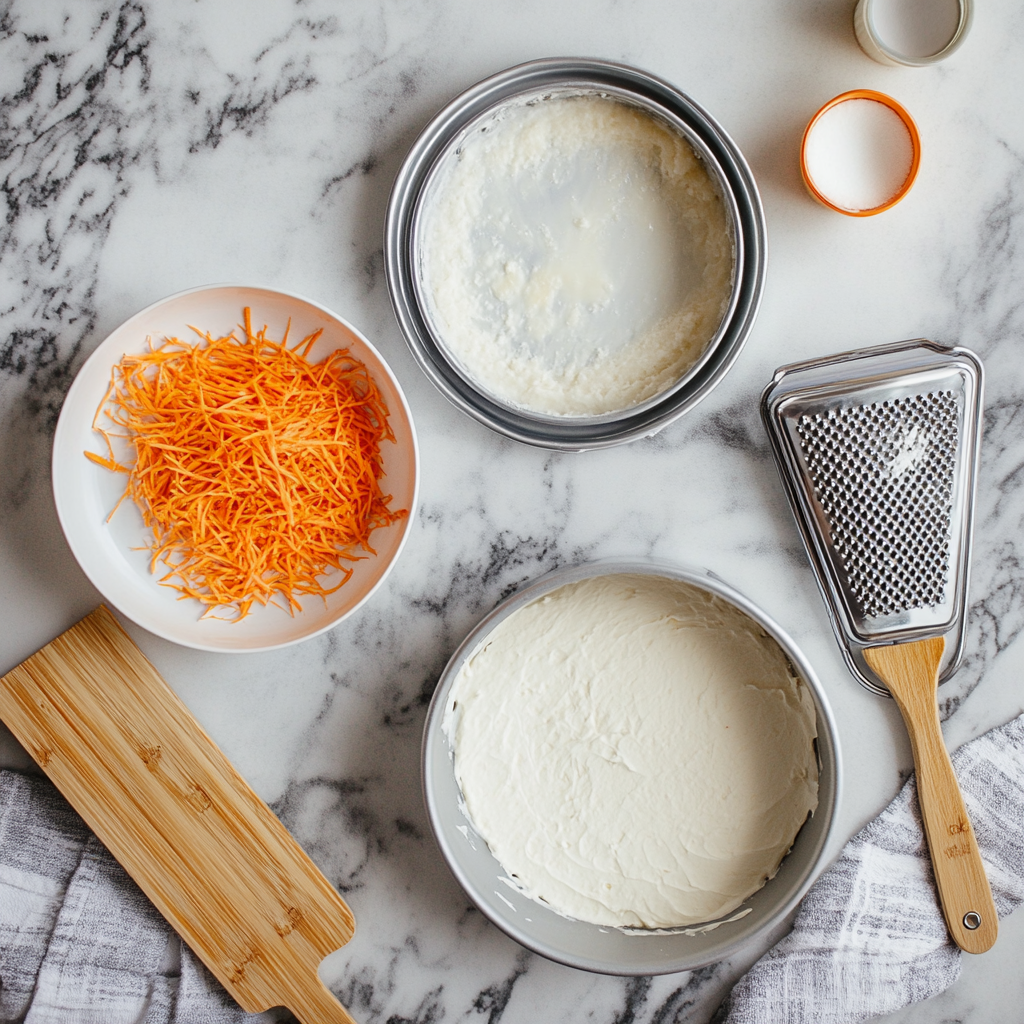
[883,476]
[878,451]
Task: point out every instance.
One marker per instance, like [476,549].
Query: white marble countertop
[149,147]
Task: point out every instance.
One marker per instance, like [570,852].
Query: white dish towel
[869,937]
[80,943]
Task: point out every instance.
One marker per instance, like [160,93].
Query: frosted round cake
[635,751]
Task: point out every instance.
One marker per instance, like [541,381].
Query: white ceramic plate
[114,555]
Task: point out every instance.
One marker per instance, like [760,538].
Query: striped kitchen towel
[79,942]
[869,937]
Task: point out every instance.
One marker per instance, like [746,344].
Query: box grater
[878,451]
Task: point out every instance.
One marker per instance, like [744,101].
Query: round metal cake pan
[724,162]
[484,122]
[598,948]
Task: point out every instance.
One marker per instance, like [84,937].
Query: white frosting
[634,750]
[576,255]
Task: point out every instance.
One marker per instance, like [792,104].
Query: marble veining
[149,147]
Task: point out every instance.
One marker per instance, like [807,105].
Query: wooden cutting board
[147,779]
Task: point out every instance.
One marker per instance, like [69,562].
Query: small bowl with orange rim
[860,153]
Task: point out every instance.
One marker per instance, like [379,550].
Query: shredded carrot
[257,471]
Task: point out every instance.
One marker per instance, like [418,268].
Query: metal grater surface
[878,452]
[883,477]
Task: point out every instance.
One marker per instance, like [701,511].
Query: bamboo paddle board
[147,779]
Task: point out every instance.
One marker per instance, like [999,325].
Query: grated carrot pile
[256,470]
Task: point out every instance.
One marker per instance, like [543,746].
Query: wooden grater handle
[314,1003]
[911,671]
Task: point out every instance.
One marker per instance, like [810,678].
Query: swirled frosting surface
[634,750]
